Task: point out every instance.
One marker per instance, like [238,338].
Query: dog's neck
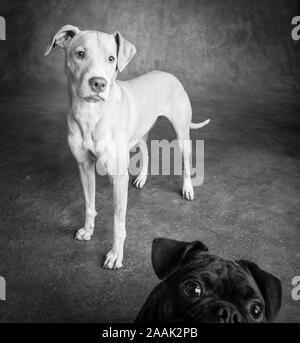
[89,114]
[91,117]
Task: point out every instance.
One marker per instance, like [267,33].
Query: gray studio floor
[246,208]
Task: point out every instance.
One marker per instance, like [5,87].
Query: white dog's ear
[62,37]
[125,51]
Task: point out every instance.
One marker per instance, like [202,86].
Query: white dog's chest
[105,151]
[88,143]
[108,146]
[104,145]
[96,135]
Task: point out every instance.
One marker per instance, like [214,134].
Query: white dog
[108,117]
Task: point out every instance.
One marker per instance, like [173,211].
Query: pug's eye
[256,310]
[80,54]
[193,289]
[111,58]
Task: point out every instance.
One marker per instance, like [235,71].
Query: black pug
[201,287]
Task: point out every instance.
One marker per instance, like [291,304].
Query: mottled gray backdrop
[213,43]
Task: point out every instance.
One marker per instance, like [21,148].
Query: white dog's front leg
[115,256]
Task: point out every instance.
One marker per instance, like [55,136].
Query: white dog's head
[92,60]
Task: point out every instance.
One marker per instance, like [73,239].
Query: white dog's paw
[140,180]
[188,192]
[84,234]
[113,260]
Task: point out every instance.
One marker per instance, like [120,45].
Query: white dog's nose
[97,84]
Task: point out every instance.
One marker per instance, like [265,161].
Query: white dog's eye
[80,54]
[111,58]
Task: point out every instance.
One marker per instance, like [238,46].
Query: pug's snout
[228,314]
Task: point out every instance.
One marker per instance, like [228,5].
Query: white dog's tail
[199,125]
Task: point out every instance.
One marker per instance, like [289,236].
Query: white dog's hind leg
[183,136]
[181,114]
[187,191]
[142,177]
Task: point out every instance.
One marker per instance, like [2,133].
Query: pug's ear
[62,37]
[167,254]
[125,51]
[269,286]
